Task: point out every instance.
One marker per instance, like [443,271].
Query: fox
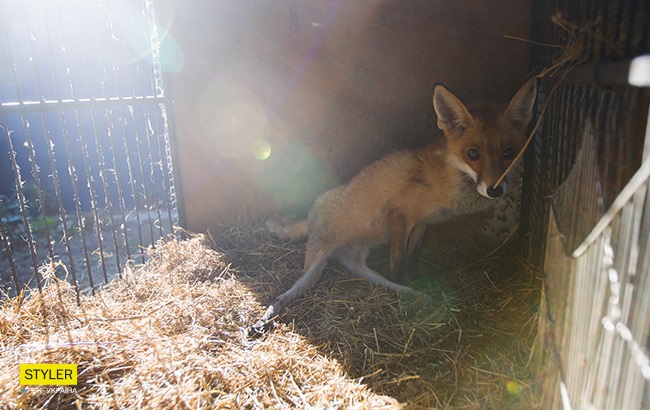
[393,200]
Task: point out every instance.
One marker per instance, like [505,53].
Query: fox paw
[259,329]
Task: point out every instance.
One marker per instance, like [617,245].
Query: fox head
[483,144]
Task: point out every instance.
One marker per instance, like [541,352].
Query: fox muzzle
[495,192]
[489,191]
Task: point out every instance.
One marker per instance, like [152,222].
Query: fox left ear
[520,109]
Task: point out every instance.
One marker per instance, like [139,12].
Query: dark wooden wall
[328,86]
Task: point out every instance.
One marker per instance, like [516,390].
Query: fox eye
[473,154]
[509,153]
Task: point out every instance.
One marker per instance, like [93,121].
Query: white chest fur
[466,200]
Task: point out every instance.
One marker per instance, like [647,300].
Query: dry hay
[469,348]
[169,334]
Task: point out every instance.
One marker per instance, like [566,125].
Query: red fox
[393,199]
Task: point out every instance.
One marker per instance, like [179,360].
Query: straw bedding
[171,333]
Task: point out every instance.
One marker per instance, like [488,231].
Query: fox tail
[287,229]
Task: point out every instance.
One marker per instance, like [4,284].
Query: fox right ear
[453,116]
[520,109]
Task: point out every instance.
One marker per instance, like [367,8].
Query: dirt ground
[84,262]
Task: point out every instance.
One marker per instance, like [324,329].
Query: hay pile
[169,335]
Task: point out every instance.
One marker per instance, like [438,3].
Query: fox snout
[489,191]
[486,178]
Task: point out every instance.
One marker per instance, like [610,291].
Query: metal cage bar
[84,98]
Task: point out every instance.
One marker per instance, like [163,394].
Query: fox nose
[495,192]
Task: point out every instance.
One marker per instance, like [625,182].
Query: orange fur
[395,198]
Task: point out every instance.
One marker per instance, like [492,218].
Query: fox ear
[453,116]
[520,109]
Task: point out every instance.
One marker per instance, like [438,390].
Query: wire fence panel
[86,173]
[585,205]
[596,35]
[595,318]
[608,364]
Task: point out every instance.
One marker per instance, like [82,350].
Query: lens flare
[513,387]
[236,121]
[261,150]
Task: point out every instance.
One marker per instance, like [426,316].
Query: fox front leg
[410,263]
[405,247]
[398,243]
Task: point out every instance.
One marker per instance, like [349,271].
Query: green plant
[12,218]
